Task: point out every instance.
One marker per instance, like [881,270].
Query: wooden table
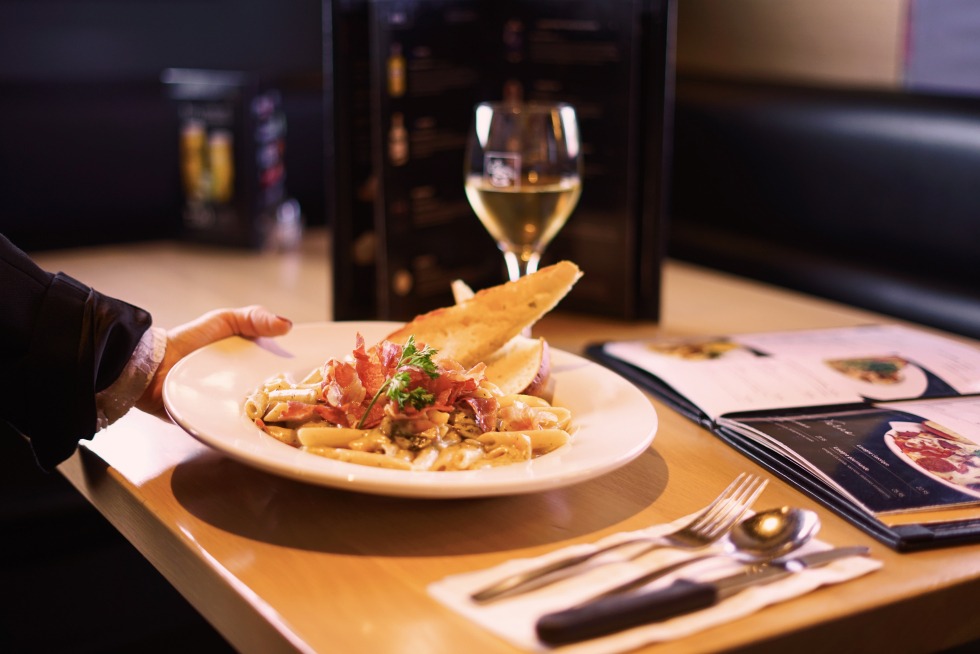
[277,565]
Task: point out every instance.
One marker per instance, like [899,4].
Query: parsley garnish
[396,386]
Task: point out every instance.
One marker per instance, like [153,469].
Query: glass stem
[521,263]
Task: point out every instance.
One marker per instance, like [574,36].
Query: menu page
[888,457]
[806,368]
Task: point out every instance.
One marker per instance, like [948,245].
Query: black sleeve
[60,343]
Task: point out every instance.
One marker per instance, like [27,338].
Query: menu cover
[881,423]
[402,79]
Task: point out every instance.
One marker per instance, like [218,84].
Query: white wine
[523,218]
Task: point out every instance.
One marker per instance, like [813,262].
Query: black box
[401,80]
[232,132]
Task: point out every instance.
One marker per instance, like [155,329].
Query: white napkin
[513,618]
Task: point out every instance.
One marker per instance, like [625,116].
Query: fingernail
[284,318]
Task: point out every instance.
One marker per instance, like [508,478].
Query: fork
[707,527]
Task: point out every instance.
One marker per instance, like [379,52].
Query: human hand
[250,322]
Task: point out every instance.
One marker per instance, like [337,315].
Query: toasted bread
[520,366]
[474,329]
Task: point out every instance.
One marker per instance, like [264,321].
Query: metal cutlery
[758,539]
[612,614]
[710,525]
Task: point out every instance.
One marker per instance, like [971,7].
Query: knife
[609,615]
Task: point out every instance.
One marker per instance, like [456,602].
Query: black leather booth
[870,198]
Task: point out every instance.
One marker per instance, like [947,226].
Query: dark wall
[863,197]
[88,140]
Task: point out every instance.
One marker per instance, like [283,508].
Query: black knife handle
[612,614]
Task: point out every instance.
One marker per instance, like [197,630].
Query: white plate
[205,392]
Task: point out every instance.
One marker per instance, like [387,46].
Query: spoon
[769,534]
[758,539]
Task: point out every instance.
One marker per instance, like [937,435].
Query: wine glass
[523,176]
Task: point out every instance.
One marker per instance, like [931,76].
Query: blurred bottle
[193,167]
[396,71]
[398,140]
[220,151]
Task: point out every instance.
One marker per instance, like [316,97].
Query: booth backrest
[865,197]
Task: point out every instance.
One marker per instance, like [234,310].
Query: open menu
[881,423]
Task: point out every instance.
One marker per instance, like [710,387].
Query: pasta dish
[394,406]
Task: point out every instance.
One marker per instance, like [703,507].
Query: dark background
[88,137]
[88,154]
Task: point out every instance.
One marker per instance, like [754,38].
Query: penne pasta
[276,413]
[455,457]
[256,405]
[506,447]
[546,440]
[284,434]
[315,376]
[328,436]
[363,458]
[460,422]
[279,382]
[552,417]
[304,395]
